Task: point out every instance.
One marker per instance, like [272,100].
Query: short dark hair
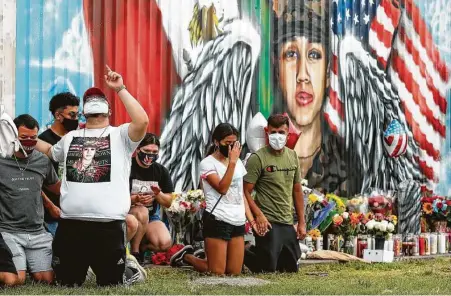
[149,139]
[277,120]
[26,120]
[62,100]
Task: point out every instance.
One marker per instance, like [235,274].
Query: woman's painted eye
[315,54]
[291,54]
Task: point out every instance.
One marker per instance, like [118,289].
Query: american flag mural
[397,37]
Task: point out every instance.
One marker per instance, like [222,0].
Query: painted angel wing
[217,90]
[370,105]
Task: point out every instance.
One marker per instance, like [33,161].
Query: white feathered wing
[217,90]
[371,104]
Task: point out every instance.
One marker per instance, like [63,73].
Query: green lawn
[417,277]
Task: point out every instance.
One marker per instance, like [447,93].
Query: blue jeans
[51,227]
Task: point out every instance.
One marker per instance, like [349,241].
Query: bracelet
[118,89]
[252,222]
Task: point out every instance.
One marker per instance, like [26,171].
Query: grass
[415,277]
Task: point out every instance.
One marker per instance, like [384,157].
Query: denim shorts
[214,228]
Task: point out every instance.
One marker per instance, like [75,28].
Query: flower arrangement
[435,207]
[381,225]
[348,224]
[358,204]
[183,210]
[436,212]
[340,205]
[314,234]
[163,258]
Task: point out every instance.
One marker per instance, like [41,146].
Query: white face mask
[277,141]
[96,106]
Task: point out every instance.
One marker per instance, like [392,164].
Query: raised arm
[44,147]
[138,115]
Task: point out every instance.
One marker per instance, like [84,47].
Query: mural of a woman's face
[302,78]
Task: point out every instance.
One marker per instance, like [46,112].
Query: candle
[422,244]
[441,243]
[434,243]
[427,244]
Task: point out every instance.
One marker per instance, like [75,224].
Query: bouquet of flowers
[436,211]
[348,224]
[183,210]
[358,204]
[380,225]
[317,211]
[163,258]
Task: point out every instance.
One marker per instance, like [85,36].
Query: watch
[118,89]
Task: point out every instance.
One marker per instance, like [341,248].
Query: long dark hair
[222,130]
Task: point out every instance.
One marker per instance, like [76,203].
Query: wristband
[118,89]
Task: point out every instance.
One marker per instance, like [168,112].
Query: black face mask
[70,124]
[224,149]
[147,158]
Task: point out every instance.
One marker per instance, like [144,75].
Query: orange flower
[427,208]
[338,220]
[355,218]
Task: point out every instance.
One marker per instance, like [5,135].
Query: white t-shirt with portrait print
[231,207]
[95,183]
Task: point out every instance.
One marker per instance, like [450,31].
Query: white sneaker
[139,273]
[90,276]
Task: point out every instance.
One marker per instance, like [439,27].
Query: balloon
[395,139]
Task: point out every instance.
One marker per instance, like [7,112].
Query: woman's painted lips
[304,98]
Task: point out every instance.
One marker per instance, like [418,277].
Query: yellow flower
[427,208]
[314,234]
[312,198]
[394,219]
[338,201]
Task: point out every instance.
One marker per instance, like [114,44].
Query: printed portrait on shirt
[89,160]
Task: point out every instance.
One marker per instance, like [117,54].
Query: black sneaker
[200,253]
[177,258]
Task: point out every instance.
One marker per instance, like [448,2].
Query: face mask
[277,141]
[96,106]
[147,158]
[70,124]
[224,149]
[28,145]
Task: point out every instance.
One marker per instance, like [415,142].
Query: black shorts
[213,228]
[278,250]
[6,258]
[79,245]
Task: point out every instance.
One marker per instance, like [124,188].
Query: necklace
[84,133]
[314,152]
[26,166]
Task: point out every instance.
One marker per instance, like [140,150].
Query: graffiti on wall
[365,83]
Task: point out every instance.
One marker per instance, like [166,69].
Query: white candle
[442,243]
[434,243]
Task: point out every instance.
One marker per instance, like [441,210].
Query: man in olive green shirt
[273,173]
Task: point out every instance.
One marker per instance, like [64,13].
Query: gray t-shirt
[21,206]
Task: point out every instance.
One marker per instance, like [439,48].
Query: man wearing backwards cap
[95,195]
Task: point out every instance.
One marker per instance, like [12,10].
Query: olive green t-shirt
[274,176]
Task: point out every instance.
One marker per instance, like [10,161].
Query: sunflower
[427,208]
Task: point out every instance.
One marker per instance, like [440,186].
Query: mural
[365,82]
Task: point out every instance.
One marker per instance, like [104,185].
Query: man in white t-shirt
[95,195]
